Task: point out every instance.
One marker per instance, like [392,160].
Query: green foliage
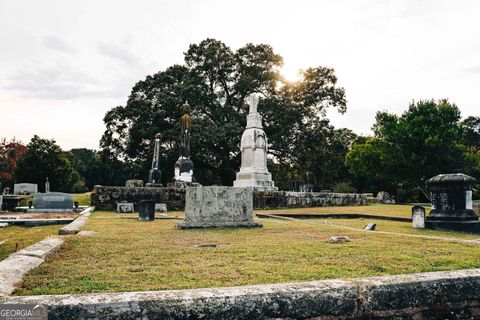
[44,158]
[424,141]
[343,187]
[471,131]
[216,81]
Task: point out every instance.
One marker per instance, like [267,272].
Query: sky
[64,64]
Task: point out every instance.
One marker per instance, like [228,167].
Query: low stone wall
[434,295]
[106,198]
[289,199]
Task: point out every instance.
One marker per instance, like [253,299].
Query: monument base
[198,225]
[258,180]
[218,207]
[183,184]
[458,226]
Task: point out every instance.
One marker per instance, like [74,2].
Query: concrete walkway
[15,266]
[74,227]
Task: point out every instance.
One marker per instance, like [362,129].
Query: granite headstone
[210,207]
[146,210]
[53,200]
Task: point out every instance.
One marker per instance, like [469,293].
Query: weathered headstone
[1,202]
[146,210]
[418,217]
[25,188]
[55,201]
[133,183]
[370,226]
[160,207]
[385,197]
[210,207]
[6,191]
[125,207]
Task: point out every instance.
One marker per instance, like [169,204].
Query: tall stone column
[155,175]
[254,147]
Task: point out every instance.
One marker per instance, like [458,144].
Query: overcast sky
[63,64]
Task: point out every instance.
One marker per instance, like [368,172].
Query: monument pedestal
[452,209]
[218,207]
[254,147]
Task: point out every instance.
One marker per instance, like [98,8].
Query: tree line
[428,138]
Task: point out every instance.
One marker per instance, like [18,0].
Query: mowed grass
[391,210]
[82,198]
[21,237]
[128,255]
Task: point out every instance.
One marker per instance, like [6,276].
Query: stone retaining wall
[434,295]
[106,198]
[288,199]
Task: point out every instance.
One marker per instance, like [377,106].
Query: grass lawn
[24,236]
[393,210]
[127,255]
[82,198]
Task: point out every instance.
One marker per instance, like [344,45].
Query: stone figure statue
[186,126]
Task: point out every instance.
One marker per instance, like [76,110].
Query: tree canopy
[44,158]
[424,141]
[10,152]
[216,80]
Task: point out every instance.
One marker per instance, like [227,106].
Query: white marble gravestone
[125,207]
[25,188]
[254,148]
[418,217]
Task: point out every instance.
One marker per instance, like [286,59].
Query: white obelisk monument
[254,147]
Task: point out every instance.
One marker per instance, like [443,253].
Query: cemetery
[150,238]
[219,186]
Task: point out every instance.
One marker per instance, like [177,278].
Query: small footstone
[206,245]
[370,226]
[86,233]
[3,225]
[339,239]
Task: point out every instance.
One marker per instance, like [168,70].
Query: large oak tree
[216,81]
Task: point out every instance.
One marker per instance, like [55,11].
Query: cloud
[118,52]
[472,70]
[56,43]
[60,81]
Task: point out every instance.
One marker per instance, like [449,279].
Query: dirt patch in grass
[128,255]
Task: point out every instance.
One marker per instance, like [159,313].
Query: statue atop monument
[184,166]
[186,127]
[155,175]
[254,147]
